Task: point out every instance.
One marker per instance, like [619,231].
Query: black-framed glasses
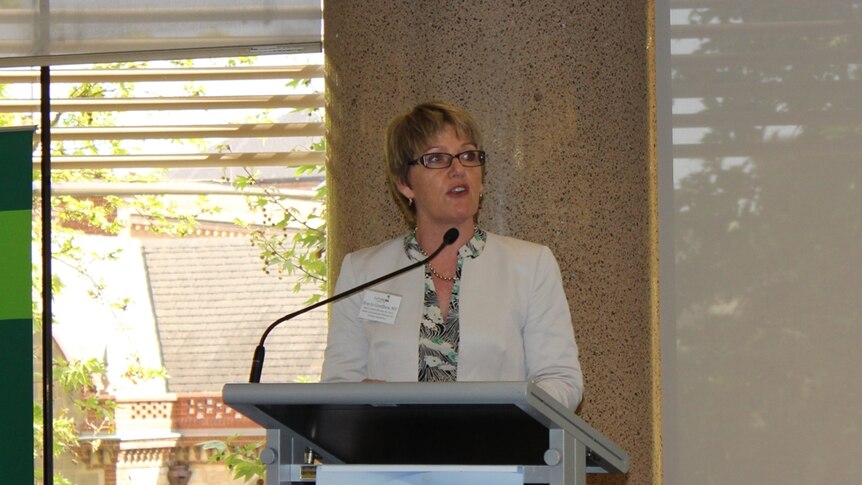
[470,158]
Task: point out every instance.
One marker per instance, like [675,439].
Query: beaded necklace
[430,266]
[433,271]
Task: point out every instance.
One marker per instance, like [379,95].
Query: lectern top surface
[490,423]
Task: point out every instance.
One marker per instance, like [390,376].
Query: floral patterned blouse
[438,340]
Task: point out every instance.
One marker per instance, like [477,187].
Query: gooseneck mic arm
[259,352]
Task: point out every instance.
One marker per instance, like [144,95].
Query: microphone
[259,352]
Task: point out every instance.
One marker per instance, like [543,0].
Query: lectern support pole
[566,459]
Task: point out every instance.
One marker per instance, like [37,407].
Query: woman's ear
[405,190]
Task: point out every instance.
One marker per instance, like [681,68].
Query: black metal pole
[47,320]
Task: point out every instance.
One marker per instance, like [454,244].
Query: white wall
[760,126]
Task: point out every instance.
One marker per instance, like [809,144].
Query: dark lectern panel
[466,423]
[481,434]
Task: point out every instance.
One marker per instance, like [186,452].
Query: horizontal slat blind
[260,159]
[169,103]
[186,74]
[197,131]
[281,139]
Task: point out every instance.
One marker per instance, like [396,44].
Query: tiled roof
[212,302]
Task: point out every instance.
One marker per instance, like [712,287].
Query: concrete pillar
[562,90]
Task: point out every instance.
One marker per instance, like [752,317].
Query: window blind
[160,113]
[53,32]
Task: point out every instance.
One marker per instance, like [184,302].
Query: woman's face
[446,196]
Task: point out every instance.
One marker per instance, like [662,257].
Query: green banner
[16,316]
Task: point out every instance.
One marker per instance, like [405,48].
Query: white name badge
[379,307]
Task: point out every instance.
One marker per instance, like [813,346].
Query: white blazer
[515,323]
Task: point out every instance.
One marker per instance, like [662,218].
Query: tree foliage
[301,250]
[241,459]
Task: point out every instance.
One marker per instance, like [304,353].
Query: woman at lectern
[486,308]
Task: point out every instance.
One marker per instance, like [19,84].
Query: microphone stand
[259,352]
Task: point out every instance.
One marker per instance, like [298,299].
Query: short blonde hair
[409,134]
